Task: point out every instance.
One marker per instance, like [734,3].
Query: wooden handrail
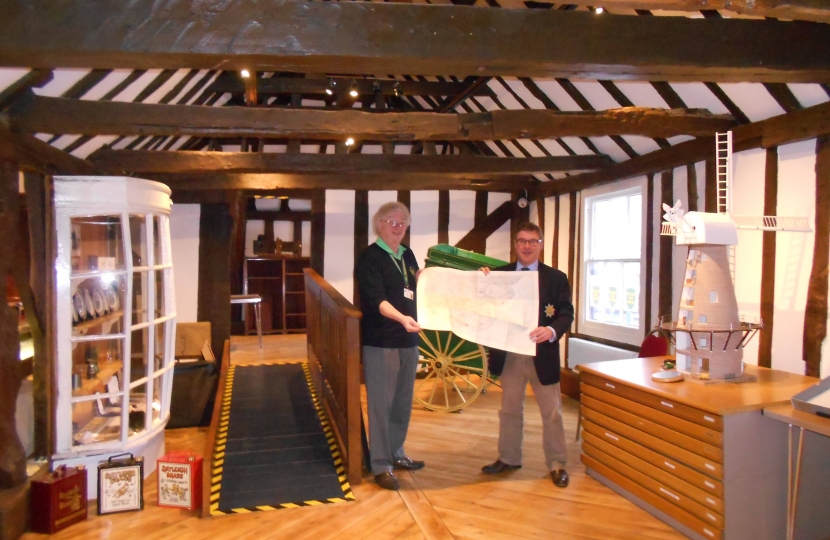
[333,330]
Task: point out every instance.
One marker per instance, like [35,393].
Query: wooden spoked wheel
[452,371]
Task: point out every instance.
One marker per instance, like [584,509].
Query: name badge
[408,294]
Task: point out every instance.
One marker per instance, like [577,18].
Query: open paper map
[497,310]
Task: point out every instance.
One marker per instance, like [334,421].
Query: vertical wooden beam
[572,251]
[12,455]
[250,91]
[649,270]
[664,290]
[239,215]
[711,186]
[405,198]
[479,216]
[361,226]
[540,213]
[443,217]
[214,298]
[318,230]
[554,257]
[815,312]
[691,186]
[768,260]
[43,252]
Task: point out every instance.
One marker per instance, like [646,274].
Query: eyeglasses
[395,224]
[521,242]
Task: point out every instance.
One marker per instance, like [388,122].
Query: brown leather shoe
[499,467]
[387,480]
[560,478]
[407,464]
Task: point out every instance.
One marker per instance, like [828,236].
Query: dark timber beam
[317,87]
[32,154]
[787,128]
[146,161]
[372,182]
[33,114]
[369,37]
[804,10]
[477,238]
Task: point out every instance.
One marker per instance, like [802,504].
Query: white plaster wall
[184,236]
[462,214]
[498,243]
[423,233]
[338,262]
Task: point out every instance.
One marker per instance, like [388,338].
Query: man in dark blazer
[556,313]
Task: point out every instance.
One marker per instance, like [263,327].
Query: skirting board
[659,514]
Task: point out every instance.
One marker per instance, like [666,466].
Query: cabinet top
[771,387]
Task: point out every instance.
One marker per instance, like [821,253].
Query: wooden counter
[701,457]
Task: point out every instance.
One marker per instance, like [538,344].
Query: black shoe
[560,478]
[387,480]
[499,467]
[407,464]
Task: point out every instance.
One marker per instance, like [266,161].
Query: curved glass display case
[116,320]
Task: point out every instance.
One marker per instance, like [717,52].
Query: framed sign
[120,484]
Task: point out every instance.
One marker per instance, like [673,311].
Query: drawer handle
[711,501]
[611,436]
[667,404]
[669,465]
[709,466]
[707,531]
[708,418]
[709,484]
[609,385]
[710,516]
[670,494]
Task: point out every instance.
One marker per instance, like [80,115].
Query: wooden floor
[450,498]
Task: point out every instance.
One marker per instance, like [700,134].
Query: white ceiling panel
[9,76]
[642,94]
[753,100]
[62,80]
[809,94]
[557,94]
[597,96]
[696,96]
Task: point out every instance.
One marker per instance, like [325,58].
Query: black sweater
[379,278]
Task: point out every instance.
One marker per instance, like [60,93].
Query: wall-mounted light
[353,89]
[245,73]
[349,141]
[396,89]
[522,202]
[598,10]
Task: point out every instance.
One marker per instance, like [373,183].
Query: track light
[349,141]
[598,10]
[353,89]
[245,73]
[396,89]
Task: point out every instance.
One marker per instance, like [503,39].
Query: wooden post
[361,227]
[664,290]
[768,260]
[649,272]
[443,217]
[318,229]
[214,303]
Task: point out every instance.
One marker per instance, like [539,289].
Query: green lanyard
[402,271]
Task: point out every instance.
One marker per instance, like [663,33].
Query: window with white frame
[611,303]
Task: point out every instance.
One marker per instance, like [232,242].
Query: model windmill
[709,335]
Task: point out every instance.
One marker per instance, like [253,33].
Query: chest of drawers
[700,457]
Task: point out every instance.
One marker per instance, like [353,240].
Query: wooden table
[815,522]
[701,457]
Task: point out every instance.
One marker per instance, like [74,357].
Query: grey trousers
[390,382]
[518,371]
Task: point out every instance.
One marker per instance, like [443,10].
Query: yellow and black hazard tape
[219,456]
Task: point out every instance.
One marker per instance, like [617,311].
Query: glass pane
[156,399]
[156,242]
[96,367]
[140,299]
[160,296]
[138,409]
[96,244]
[631,283]
[158,357]
[164,242]
[139,359]
[615,228]
[97,304]
[138,239]
[95,421]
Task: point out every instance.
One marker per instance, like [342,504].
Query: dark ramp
[274,446]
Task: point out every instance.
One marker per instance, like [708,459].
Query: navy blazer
[554,291]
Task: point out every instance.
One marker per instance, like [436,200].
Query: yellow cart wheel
[452,371]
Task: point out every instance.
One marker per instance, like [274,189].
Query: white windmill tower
[709,334]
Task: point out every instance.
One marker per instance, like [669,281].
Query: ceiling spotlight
[349,141]
[330,88]
[522,202]
[353,89]
[396,89]
[598,10]
[245,73]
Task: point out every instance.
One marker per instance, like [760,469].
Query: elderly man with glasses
[556,313]
[386,273]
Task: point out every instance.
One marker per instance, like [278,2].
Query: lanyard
[402,271]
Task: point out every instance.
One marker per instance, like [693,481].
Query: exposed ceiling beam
[374,182]
[804,10]
[32,154]
[369,37]
[783,129]
[338,85]
[33,114]
[141,161]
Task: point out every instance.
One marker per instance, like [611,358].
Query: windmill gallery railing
[333,330]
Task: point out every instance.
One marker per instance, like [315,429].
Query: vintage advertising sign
[180,480]
[120,485]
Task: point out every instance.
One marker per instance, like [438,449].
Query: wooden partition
[334,358]
[209,460]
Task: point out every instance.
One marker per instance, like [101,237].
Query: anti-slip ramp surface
[274,446]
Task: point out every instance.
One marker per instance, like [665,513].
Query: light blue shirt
[534,267]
